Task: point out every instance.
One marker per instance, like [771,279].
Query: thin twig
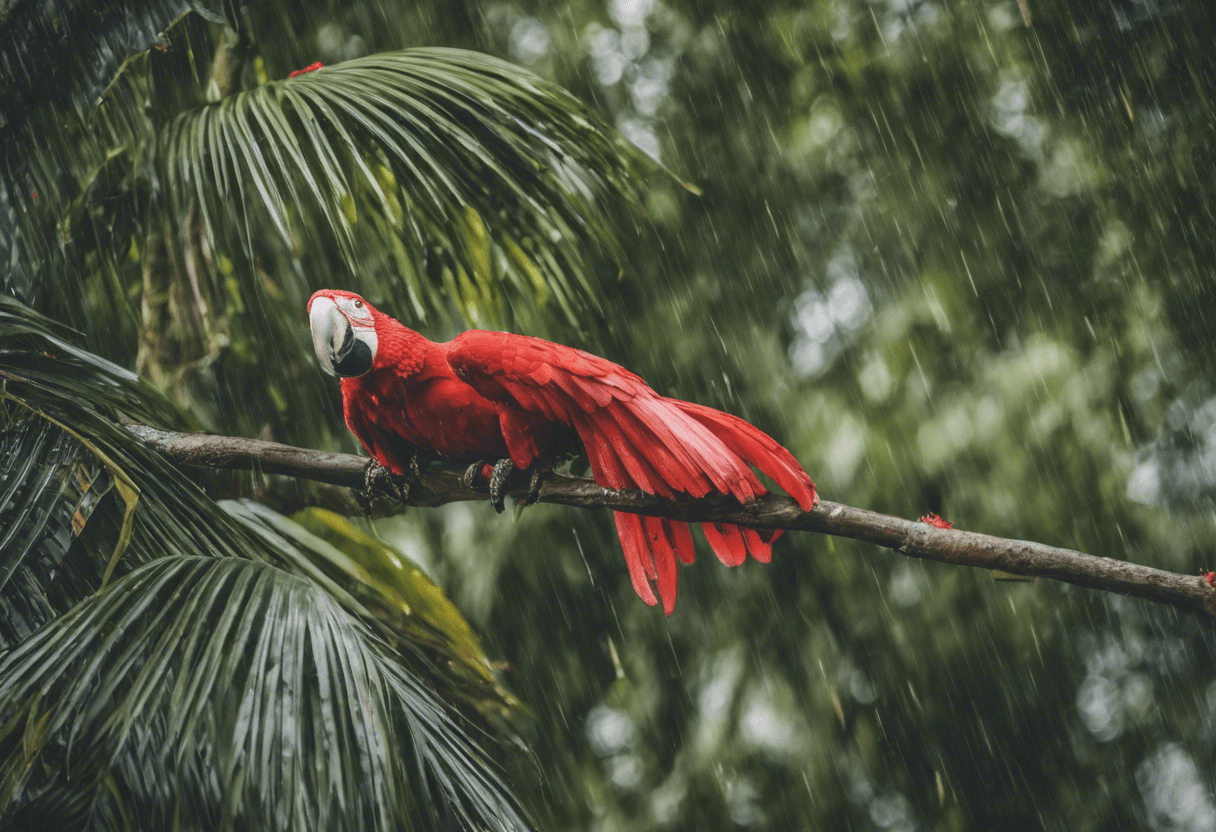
[920,540]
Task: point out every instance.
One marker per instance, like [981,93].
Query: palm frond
[49,488]
[60,407]
[58,59]
[45,377]
[68,195]
[270,706]
[487,183]
[68,52]
[415,612]
[165,634]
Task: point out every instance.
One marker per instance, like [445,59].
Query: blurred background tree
[954,255]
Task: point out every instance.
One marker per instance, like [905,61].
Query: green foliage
[956,262]
[483,181]
[228,692]
[412,601]
[937,259]
[201,664]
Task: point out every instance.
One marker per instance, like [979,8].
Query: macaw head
[343,332]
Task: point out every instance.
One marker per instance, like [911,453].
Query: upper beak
[332,336]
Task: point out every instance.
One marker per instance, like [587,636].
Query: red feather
[487,395]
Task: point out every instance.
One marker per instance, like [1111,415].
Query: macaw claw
[477,469]
[498,481]
[533,489]
[498,476]
[377,479]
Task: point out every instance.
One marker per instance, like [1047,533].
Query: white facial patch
[358,314]
[335,324]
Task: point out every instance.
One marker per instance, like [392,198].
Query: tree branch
[920,540]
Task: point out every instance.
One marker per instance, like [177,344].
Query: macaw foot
[498,481]
[533,489]
[378,479]
[477,469]
[498,475]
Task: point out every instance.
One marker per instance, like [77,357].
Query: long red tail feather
[637,555]
[663,552]
[668,446]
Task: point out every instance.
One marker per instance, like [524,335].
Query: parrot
[529,403]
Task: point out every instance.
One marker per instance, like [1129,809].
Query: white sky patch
[642,133]
[626,13]
[1175,794]
[529,40]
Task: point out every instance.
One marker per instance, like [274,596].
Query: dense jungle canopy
[956,256]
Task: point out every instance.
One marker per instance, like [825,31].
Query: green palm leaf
[304,719]
[487,183]
[59,58]
[49,488]
[46,378]
[61,406]
[68,52]
[400,594]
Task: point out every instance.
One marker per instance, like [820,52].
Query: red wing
[634,438]
[537,376]
[757,448]
[638,438]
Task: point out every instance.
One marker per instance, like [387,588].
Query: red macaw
[526,402]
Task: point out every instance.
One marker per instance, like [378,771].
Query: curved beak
[339,350]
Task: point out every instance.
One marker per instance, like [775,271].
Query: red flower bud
[309,68]
[937,522]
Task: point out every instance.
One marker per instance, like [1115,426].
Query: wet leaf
[453,157]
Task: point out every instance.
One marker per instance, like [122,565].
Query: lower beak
[338,354]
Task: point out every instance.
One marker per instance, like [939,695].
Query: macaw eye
[358,304]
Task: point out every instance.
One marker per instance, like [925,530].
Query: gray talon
[369,478]
[472,473]
[363,498]
[498,479]
[533,489]
[378,478]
